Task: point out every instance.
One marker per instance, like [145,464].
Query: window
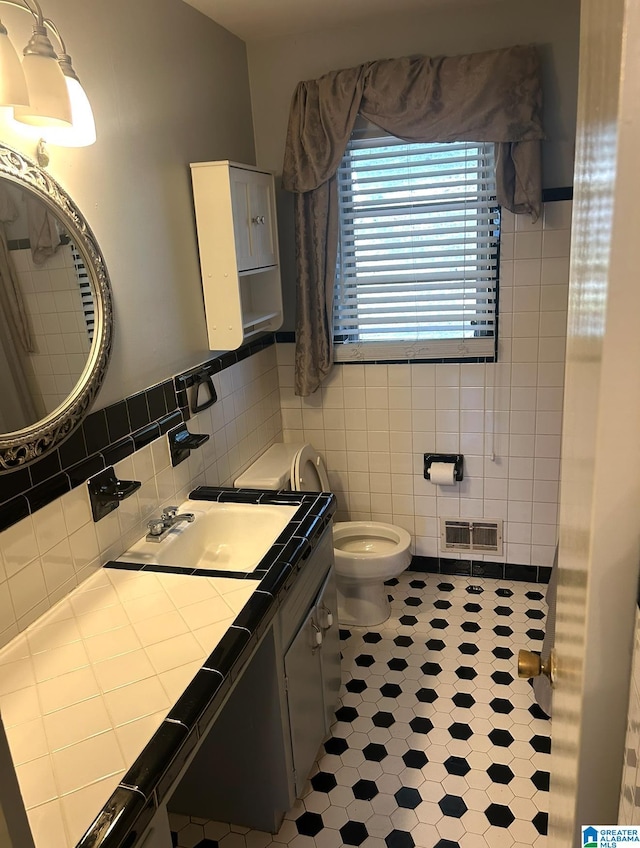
[418,257]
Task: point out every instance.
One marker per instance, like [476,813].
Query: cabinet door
[241,219]
[303,672]
[253,224]
[263,251]
[327,619]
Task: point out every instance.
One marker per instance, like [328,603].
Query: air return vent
[473,536]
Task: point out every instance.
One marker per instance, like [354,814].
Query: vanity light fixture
[42,154]
[49,104]
[13,85]
[82,131]
[55,103]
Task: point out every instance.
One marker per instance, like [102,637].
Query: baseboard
[480,568]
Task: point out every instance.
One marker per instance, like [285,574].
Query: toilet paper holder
[456,458]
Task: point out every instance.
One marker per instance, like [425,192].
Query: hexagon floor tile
[444,744]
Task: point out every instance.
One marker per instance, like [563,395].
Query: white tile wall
[374,422]
[44,556]
[59,331]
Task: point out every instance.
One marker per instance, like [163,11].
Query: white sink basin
[223,537]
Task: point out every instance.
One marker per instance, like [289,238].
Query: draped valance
[483,97]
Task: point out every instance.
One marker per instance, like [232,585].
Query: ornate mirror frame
[25,446]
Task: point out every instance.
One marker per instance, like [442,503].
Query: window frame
[456,348]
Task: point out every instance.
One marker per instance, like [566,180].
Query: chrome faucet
[160,527]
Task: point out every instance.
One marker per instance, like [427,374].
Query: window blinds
[418,258]
[86,294]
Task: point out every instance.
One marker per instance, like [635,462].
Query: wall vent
[473,536]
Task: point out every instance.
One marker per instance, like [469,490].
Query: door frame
[600,490]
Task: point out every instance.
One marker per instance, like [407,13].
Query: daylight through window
[418,258]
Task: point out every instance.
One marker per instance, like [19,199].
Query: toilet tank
[272,470]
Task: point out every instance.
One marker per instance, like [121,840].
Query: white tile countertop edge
[84,688]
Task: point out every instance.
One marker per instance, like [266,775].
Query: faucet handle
[156,527]
[169,512]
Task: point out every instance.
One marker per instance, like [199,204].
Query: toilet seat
[308,472]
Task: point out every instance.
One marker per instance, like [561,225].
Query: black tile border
[125,565]
[551,195]
[25,243]
[107,436]
[481,568]
[198,696]
[225,657]
[149,779]
[459,360]
[188,379]
[121,821]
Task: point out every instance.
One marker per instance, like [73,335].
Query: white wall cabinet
[238,243]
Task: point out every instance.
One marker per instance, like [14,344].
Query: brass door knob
[532,665]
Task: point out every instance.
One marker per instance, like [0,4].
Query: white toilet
[367,552]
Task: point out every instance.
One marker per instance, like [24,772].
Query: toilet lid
[308,473]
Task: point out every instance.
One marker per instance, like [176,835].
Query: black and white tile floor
[437,744]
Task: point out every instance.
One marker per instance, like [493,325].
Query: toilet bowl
[367,553]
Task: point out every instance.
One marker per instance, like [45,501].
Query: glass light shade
[49,99]
[82,131]
[13,85]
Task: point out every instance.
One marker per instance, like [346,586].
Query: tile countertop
[105,696]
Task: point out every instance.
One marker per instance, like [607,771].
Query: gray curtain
[18,409]
[44,234]
[11,301]
[484,97]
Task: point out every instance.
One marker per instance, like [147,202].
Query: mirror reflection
[47,310]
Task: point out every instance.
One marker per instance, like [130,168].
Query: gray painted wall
[277,65]
[168,87]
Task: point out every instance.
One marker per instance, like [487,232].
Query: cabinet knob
[317,636]
[258,219]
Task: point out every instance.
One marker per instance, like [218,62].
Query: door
[303,675]
[327,619]
[600,495]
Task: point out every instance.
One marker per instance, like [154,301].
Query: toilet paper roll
[443,473]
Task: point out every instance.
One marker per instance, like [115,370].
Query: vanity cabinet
[312,680]
[238,244]
[257,756]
